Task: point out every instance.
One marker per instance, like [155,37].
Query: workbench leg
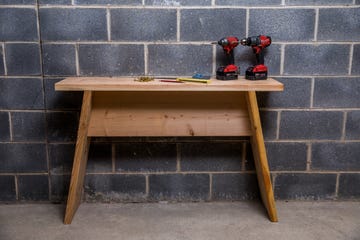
[259,152]
[80,160]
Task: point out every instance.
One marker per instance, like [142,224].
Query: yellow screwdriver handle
[193,80]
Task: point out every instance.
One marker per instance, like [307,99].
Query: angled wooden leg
[80,160]
[259,151]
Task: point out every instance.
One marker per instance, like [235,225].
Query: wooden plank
[128,84]
[80,159]
[260,158]
[169,114]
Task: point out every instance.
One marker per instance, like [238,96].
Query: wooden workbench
[122,107]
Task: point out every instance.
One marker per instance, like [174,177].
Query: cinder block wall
[312,129]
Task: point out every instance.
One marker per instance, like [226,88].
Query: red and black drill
[231,71]
[258,43]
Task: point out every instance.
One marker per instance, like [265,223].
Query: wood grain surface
[128,84]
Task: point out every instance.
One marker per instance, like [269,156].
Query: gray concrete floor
[224,221]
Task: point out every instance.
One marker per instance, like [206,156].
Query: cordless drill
[257,43]
[230,71]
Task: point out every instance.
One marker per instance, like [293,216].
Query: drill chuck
[261,41]
[244,42]
[228,42]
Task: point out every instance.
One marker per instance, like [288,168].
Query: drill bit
[244,41]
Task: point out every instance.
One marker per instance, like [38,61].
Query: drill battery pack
[230,72]
[258,72]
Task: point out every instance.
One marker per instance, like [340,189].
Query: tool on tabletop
[201,76]
[170,81]
[183,79]
[194,80]
[144,79]
[257,43]
[230,71]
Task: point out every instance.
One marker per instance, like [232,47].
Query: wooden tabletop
[128,84]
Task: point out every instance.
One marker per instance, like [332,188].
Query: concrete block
[249,158]
[355,67]
[108,2]
[311,125]
[269,124]
[324,59]
[28,126]
[286,156]
[282,156]
[190,187]
[349,186]
[114,187]
[16,2]
[33,187]
[339,24]
[100,158]
[212,24]
[335,156]
[59,59]
[145,157]
[211,156]
[21,93]
[62,126]
[248,3]
[18,24]
[143,25]
[303,186]
[2,67]
[73,24]
[22,59]
[59,188]
[296,94]
[180,59]
[234,187]
[111,60]
[337,92]
[352,128]
[4,127]
[57,2]
[61,158]
[283,24]
[7,186]
[177,3]
[318,2]
[63,100]
[22,158]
